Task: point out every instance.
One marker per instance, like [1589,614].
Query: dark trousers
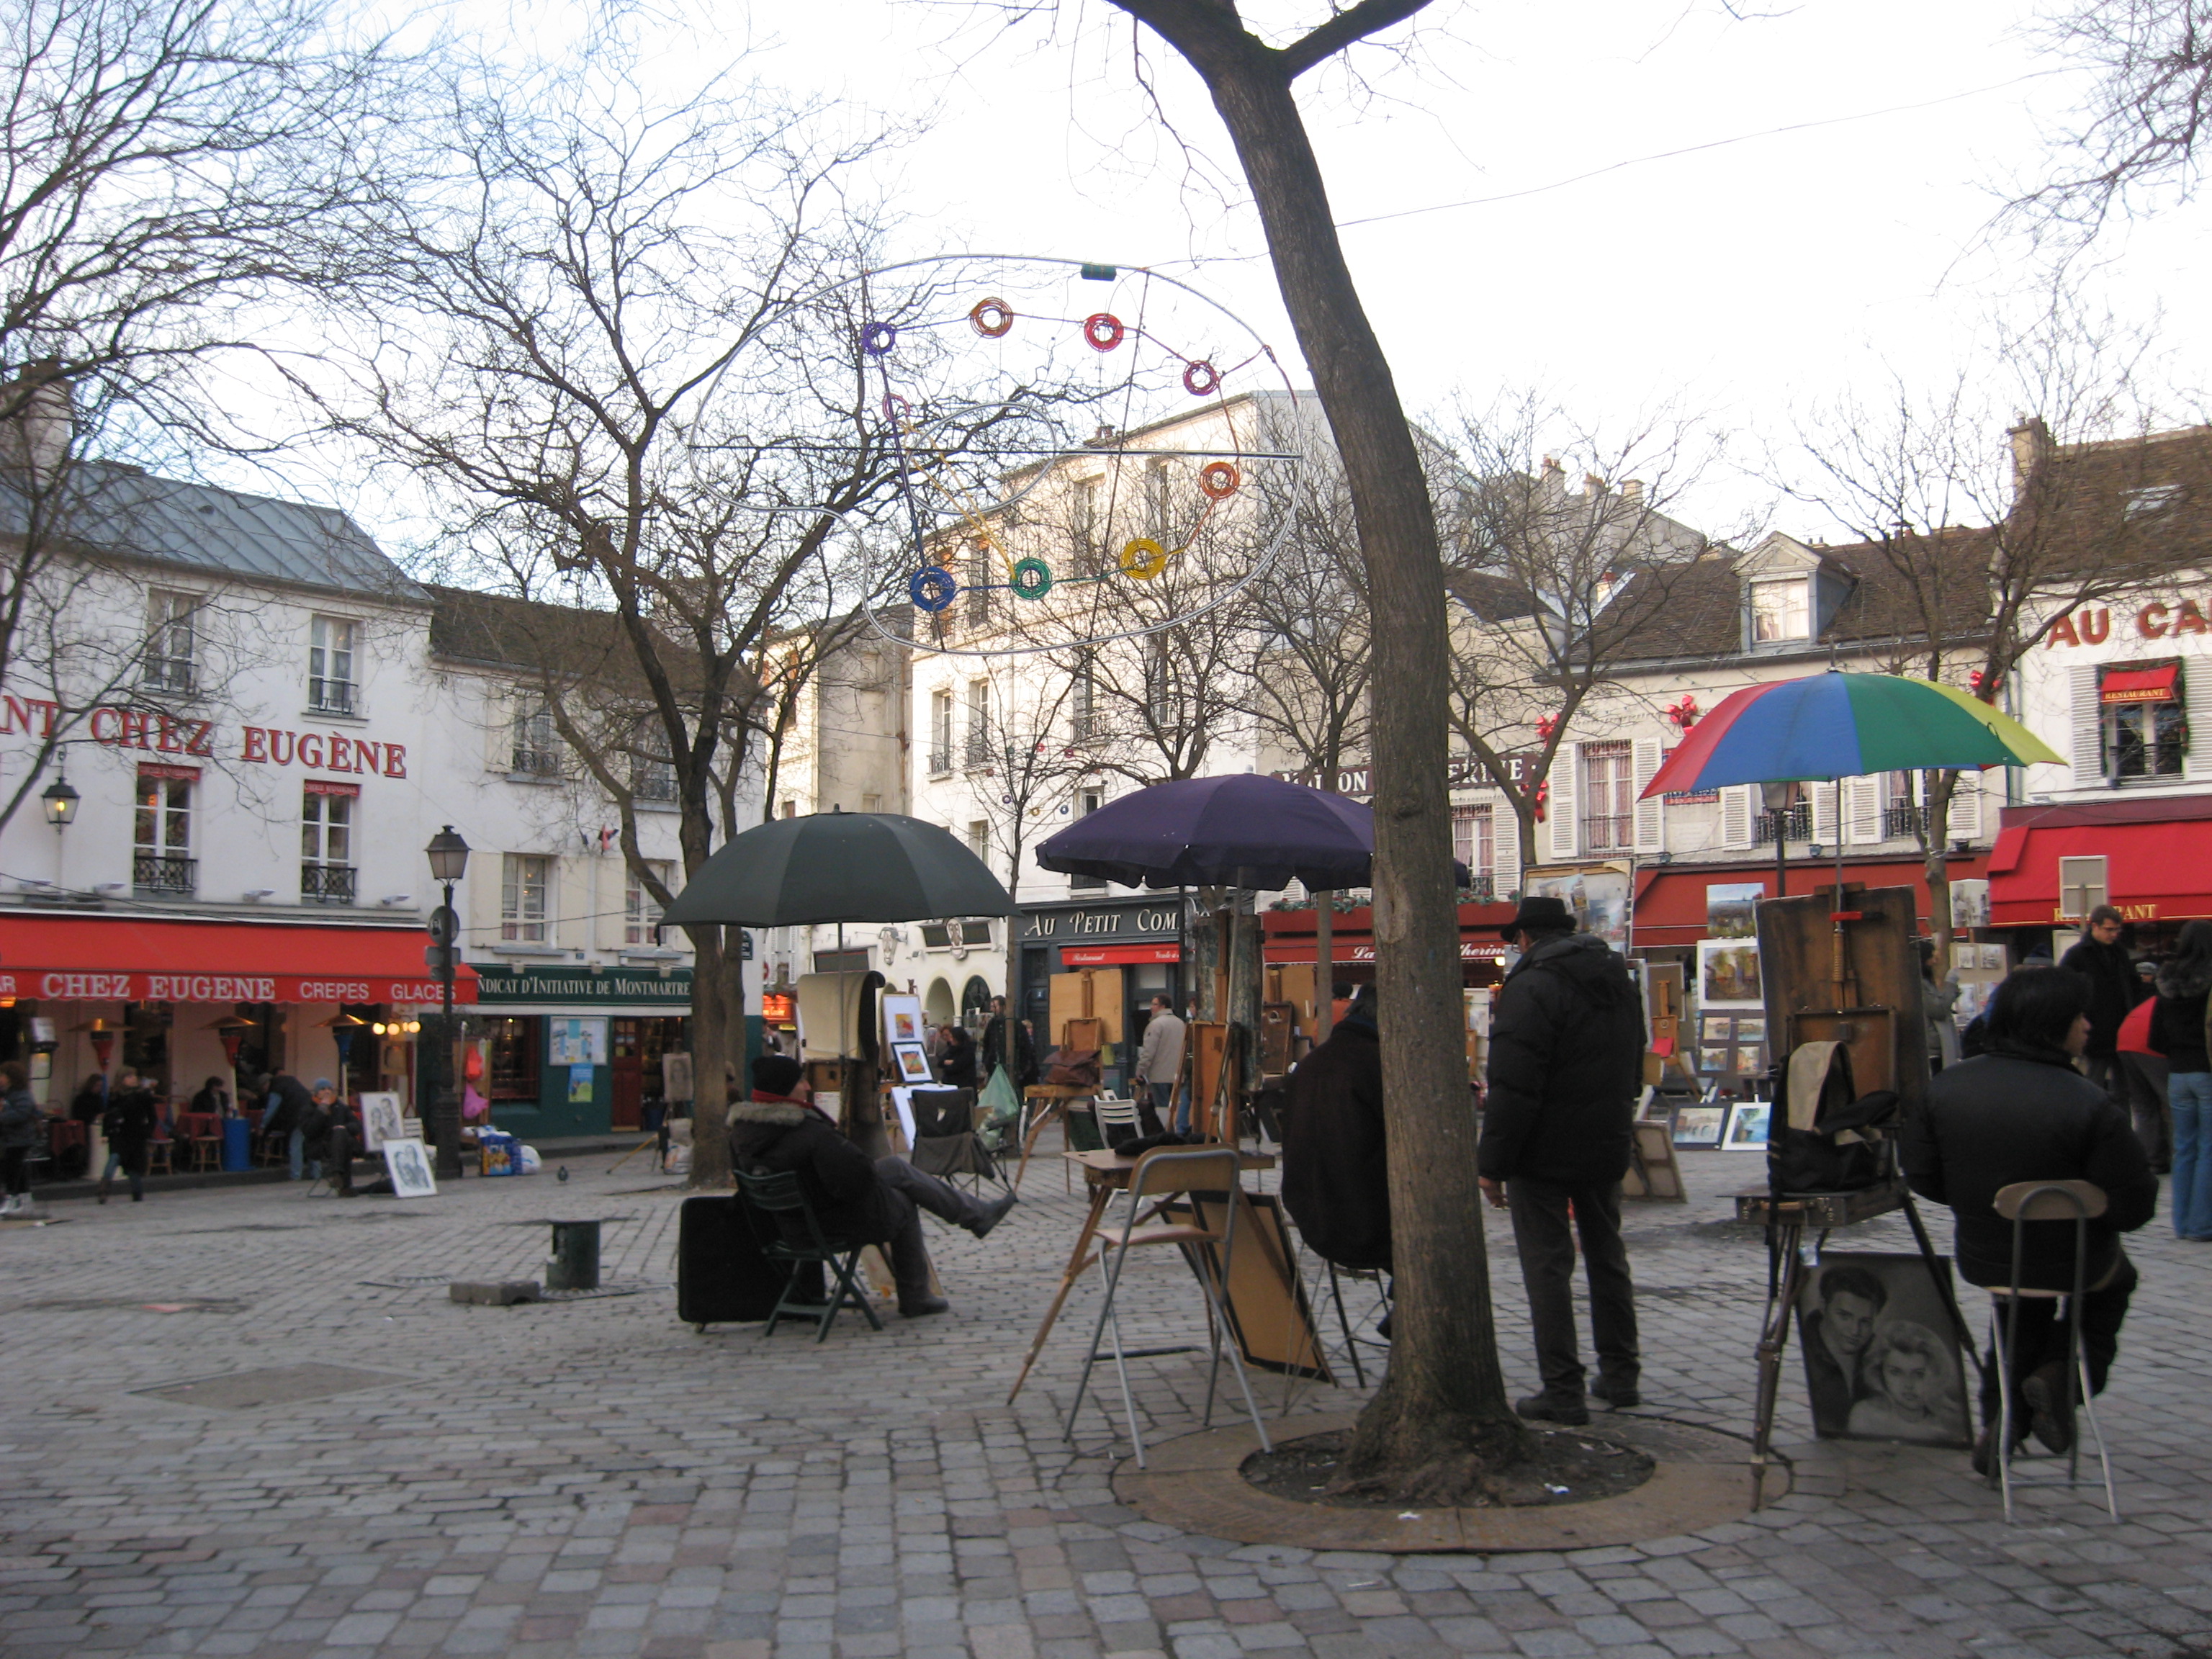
[916,1191]
[14,1170]
[1156,1107]
[2154,1118]
[1543,1231]
[2041,1339]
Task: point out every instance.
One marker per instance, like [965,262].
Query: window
[979,838]
[330,685]
[1084,524]
[872,803]
[169,640]
[1902,813]
[326,826]
[514,1043]
[979,722]
[2149,500]
[161,846]
[1795,821]
[978,583]
[940,733]
[973,931]
[1473,844]
[1083,702]
[789,810]
[1608,796]
[1085,804]
[525,879]
[2146,728]
[1158,503]
[536,750]
[1781,611]
[651,773]
[641,915]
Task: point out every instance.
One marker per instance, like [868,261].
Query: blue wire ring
[877,338]
[1031,579]
[932,588]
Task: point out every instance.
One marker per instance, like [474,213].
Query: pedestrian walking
[1160,1066]
[285,1106]
[2099,957]
[2177,1031]
[21,1122]
[128,1128]
[1566,1064]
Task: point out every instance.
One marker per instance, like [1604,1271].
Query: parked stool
[2023,1203]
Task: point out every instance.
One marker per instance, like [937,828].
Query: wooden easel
[1052,1100]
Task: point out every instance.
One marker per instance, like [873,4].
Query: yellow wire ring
[992,318]
[1144,558]
[1218,480]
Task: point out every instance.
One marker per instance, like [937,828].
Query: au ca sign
[2159,620]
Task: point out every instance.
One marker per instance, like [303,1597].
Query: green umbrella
[838,868]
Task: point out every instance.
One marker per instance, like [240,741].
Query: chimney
[38,419]
[1632,488]
[2031,447]
[1592,484]
[1552,480]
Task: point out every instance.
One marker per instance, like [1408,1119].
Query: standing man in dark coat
[2099,957]
[129,1127]
[1335,1168]
[1567,1065]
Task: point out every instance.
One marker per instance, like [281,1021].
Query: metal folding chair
[776,1196]
[945,1143]
[1163,1174]
[2023,1203]
[1117,1118]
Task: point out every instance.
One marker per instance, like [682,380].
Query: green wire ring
[1031,579]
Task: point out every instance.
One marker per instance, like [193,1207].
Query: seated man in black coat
[1336,1178]
[858,1199]
[2022,1112]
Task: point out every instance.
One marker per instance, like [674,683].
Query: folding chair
[2021,1203]
[776,1196]
[1117,1118]
[1161,1174]
[945,1143]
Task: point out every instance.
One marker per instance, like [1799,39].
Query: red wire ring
[997,311]
[1201,378]
[896,408]
[1104,330]
[1218,480]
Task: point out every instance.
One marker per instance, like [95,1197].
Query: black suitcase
[721,1276]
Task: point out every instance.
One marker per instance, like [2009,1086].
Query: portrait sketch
[380,1120]
[408,1166]
[1881,1360]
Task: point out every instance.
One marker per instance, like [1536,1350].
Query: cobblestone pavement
[596,1478]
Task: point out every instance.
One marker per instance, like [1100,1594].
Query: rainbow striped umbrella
[1842,725]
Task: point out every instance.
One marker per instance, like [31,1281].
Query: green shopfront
[576,1051]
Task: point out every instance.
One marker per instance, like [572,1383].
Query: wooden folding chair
[1166,1173]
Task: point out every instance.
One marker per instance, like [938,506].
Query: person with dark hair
[957,1061]
[1159,1067]
[21,1123]
[129,1125]
[2098,957]
[1024,1072]
[1836,1338]
[286,1107]
[859,1200]
[1938,997]
[213,1099]
[1567,1065]
[1341,998]
[2177,1031]
[1335,1165]
[2019,1112]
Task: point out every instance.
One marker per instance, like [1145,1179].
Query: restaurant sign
[84,985]
[606,988]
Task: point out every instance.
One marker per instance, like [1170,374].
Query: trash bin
[575,1263]
[237,1143]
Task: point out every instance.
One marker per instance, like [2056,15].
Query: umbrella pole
[1324,939]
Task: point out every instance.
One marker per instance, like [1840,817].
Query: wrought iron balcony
[536,763]
[940,760]
[327,884]
[1797,822]
[326,697]
[162,872]
[981,752]
[1903,820]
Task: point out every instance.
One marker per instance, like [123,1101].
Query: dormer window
[1781,611]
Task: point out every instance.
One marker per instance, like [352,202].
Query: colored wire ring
[1144,558]
[1218,480]
[1201,378]
[992,318]
[1031,579]
[932,588]
[877,338]
[1104,330]
[897,408]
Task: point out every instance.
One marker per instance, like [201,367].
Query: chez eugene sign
[72,985]
[157,733]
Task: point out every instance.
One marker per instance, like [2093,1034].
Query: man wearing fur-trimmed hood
[858,1199]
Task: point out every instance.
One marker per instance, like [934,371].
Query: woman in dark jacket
[21,1123]
[129,1127]
[2177,1031]
[957,1064]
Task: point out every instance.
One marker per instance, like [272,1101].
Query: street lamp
[1774,797]
[449,861]
[60,801]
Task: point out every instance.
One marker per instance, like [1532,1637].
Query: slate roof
[2139,506]
[125,512]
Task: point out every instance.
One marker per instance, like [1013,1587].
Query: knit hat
[321,1083]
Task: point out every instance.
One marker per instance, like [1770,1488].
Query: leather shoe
[993,1214]
[1542,1408]
[2045,1391]
[923,1309]
[1619,1395]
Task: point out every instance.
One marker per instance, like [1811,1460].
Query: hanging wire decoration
[979,365]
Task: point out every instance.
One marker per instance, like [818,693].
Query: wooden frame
[1268,1314]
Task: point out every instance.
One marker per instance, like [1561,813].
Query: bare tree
[1560,590]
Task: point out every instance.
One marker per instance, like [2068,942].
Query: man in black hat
[1567,1065]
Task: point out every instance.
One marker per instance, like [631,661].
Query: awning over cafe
[1673,907]
[140,959]
[2139,684]
[2157,855]
[1290,936]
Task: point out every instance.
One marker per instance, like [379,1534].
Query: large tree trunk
[711,1051]
[1443,1404]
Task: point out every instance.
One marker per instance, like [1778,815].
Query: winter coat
[2177,1022]
[21,1121]
[286,1106]
[2111,975]
[1160,1058]
[840,1180]
[1024,1070]
[2020,1114]
[1937,998]
[957,1068]
[1335,1175]
[1566,1064]
[130,1123]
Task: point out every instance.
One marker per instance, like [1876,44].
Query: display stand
[1839,966]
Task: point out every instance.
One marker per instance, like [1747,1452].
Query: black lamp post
[1775,797]
[449,859]
[60,801]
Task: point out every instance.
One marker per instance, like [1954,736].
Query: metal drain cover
[272,1385]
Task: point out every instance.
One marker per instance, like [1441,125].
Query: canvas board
[913,1062]
[902,1019]
[1747,1121]
[380,1116]
[1268,1311]
[1731,909]
[1699,1126]
[1728,974]
[409,1165]
[1882,1356]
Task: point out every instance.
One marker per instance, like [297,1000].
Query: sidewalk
[595,1478]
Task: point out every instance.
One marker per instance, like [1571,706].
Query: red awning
[2154,871]
[1674,907]
[133,959]
[1106,956]
[2139,684]
[1360,947]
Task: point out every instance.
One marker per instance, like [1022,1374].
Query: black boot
[993,1214]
